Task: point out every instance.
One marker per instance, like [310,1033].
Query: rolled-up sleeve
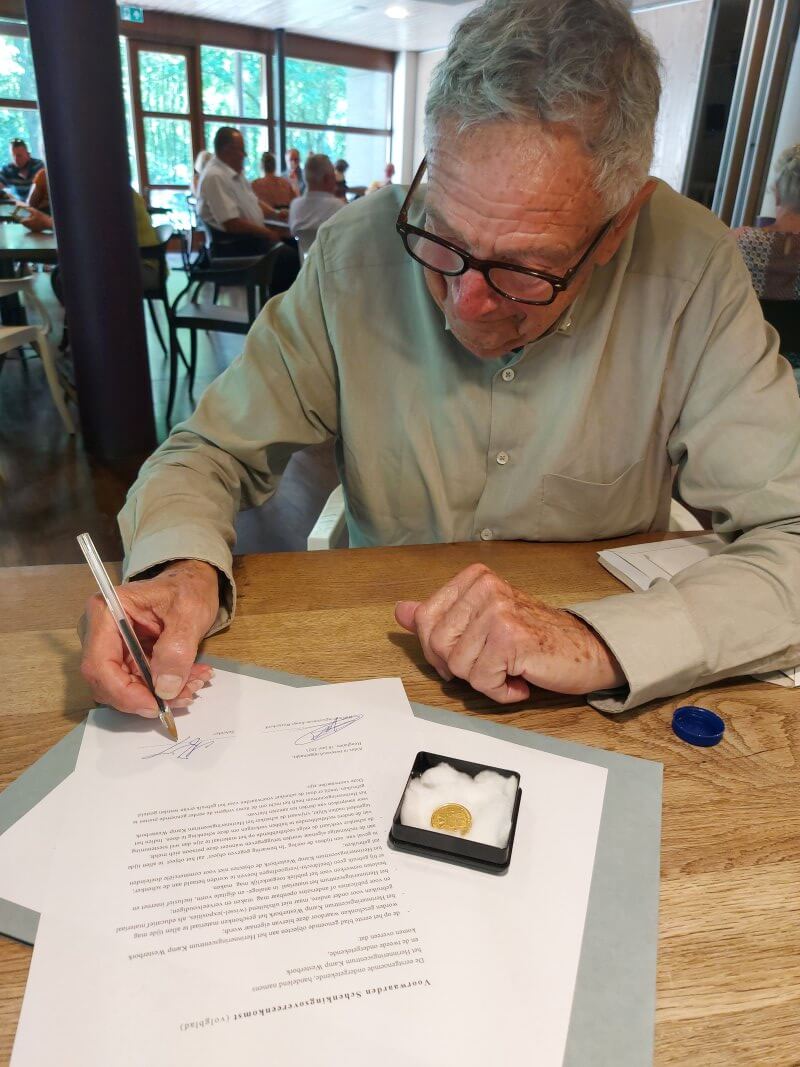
[736,447]
[278,396]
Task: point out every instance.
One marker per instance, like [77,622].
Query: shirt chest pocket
[575,510]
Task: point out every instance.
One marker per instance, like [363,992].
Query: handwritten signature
[319,733]
[182,749]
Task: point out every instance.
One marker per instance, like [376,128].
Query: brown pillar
[76,56]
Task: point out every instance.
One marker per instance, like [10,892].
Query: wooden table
[18,244]
[729,952]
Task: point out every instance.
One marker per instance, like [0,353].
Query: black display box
[445,847]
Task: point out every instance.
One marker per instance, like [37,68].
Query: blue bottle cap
[698,726]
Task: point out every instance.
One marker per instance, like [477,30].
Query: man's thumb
[173,655]
[404,612]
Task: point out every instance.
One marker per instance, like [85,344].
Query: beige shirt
[664,366]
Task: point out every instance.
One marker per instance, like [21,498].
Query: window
[126,96]
[19,113]
[161,90]
[234,83]
[235,94]
[341,111]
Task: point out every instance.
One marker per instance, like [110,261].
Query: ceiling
[356,21]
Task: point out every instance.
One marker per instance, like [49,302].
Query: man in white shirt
[235,216]
[319,202]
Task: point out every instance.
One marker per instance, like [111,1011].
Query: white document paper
[638,566]
[27,847]
[238,902]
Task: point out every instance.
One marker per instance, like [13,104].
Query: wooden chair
[253,274]
[37,335]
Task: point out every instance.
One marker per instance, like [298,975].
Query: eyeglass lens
[446,261]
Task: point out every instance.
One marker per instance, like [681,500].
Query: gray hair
[316,168]
[580,62]
[787,185]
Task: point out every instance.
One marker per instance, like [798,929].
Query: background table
[729,950]
[19,245]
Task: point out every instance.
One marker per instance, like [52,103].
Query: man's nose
[472,296]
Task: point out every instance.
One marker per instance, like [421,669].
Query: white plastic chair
[329,527]
[35,334]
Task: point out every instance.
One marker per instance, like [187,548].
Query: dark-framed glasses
[522,284]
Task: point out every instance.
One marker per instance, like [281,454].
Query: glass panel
[234,83]
[175,203]
[256,141]
[337,96]
[168,146]
[164,83]
[126,95]
[367,154]
[24,123]
[17,80]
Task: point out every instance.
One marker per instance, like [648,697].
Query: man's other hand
[170,613]
[499,639]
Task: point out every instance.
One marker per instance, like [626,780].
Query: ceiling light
[396,12]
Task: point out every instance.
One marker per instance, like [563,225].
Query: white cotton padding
[489,798]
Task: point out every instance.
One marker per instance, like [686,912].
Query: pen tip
[169,723]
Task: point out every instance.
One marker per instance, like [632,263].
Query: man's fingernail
[195,685]
[148,713]
[168,686]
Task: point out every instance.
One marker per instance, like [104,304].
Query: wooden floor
[51,490]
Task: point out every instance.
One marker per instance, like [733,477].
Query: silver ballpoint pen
[106,587]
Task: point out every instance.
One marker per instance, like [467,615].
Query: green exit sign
[129,13]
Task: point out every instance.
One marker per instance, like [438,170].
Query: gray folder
[613,1010]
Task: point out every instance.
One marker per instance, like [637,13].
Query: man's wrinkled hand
[500,640]
[171,614]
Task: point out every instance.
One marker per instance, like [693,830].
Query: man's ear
[613,238]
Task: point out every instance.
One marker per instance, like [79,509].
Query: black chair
[157,289]
[253,274]
[784,315]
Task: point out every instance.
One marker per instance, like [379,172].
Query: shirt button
[486,535]
[502,458]
[508,374]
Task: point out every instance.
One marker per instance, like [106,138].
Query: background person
[228,206]
[202,158]
[772,253]
[272,189]
[294,172]
[341,167]
[39,195]
[18,175]
[319,202]
[388,175]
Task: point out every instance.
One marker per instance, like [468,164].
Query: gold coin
[453,817]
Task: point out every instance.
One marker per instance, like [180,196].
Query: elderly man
[317,204]
[550,340]
[235,216]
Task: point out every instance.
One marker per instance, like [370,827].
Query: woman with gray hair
[772,254]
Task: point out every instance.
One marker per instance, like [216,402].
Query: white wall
[679,33]
[403,116]
[426,61]
[788,132]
